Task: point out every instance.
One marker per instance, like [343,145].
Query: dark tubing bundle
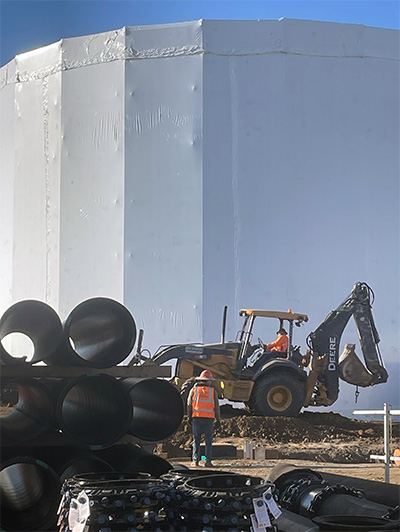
[29,494]
[98,333]
[131,458]
[157,408]
[34,412]
[39,322]
[94,410]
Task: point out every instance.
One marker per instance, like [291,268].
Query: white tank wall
[184,167]
[163,197]
[7,163]
[92,184]
[164,182]
[311,171]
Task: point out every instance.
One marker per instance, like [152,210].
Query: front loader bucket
[351,369]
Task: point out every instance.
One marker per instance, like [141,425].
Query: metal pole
[386,442]
[386,412]
[224,324]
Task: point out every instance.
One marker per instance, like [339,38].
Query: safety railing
[387,412]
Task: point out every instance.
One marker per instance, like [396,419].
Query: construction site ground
[325,441]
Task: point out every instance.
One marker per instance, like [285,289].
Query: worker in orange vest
[280,344]
[203,411]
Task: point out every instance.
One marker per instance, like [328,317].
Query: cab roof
[289,315]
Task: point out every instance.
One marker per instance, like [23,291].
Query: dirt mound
[325,436]
[305,428]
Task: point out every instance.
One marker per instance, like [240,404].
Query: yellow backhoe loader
[273,383]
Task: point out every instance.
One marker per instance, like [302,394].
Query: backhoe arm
[324,344]
[369,337]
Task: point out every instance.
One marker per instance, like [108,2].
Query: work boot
[209,463]
[195,463]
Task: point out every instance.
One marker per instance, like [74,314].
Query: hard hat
[205,375]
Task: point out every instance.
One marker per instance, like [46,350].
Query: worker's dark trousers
[200,426]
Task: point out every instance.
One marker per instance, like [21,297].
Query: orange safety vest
[203,404]
[280,344]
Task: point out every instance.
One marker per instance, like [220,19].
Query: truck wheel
[277,394]
[185,390]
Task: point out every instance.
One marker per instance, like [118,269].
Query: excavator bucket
[351,369]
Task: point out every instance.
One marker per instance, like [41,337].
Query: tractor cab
[245,335]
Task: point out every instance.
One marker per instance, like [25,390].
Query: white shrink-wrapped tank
[183,167]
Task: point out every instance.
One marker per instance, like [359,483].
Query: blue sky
[26,25]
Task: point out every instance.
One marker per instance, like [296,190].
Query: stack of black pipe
[71,422]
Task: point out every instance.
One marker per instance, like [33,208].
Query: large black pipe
[98,333]
[34,412]
[66,461]
[39,322]
[157,408]
[30,495]
[79,465]
[380,492]
[131,458]
[303,491]
[94,410]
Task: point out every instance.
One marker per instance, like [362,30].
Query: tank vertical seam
[235,188]
[124,136]
[46,144]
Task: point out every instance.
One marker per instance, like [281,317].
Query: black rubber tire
[185,390]
[277,393]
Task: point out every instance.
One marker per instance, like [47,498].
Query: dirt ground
[324,441]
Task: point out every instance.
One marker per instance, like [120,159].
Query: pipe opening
[101,332]
[94,410]
[29,492]
[29,329]
[31,410]
[157,408]
[18,345]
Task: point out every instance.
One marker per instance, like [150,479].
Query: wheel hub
[279,398]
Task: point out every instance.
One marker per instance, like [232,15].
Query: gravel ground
[325,441]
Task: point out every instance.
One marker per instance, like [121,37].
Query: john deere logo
[332,353]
